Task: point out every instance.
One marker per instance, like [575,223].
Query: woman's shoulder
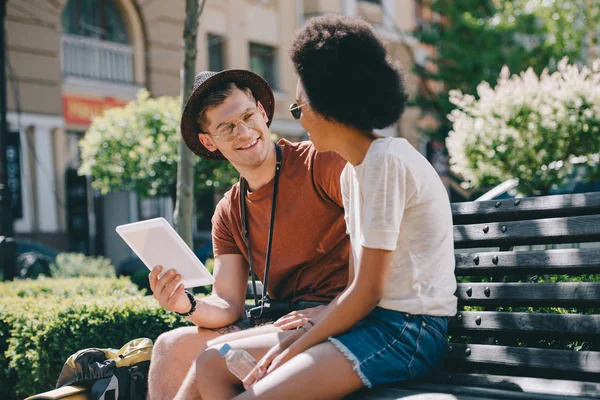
[388,149]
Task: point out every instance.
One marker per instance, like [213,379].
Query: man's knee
[182,342]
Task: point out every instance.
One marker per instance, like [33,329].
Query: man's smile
[248,145]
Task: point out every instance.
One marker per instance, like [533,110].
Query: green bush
[73,265]
[41,326]
[540,130]
[134,148]
[69,287]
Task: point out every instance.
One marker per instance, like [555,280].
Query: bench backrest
[524,311]
[525,322]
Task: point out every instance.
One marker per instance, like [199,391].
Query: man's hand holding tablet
[173,264]
[169,291]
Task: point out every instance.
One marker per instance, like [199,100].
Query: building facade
[71,59]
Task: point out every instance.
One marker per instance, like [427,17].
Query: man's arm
[226,303]
[223,307]
[327,171]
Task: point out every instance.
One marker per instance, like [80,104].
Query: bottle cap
[224,349]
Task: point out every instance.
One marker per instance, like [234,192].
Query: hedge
[43,322]
[69,287]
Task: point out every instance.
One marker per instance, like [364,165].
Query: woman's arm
[363,294]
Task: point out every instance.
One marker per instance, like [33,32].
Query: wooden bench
[497,349]
[496,353]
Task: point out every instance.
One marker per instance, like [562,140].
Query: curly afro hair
[347,74]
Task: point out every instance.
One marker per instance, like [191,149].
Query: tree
[473,39]
[185,170]
[539,130]
[134,148]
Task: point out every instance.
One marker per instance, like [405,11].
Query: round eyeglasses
[227,131]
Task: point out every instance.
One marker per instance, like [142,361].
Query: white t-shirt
[394,200]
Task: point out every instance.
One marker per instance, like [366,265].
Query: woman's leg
[321,372]
[209,377]
[175,352]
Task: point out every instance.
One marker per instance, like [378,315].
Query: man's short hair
[347,74]
[216,97]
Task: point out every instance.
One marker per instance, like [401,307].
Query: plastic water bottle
[239,361]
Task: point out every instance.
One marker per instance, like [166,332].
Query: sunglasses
[296,110]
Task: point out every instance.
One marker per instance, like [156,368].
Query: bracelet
[192,302]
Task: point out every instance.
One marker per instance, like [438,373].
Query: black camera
[267,311]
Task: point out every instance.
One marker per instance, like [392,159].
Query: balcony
[96,60]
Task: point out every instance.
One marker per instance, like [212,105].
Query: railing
[95,59]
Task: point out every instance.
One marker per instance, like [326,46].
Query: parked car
[510,188]
[28,246]
[34,259]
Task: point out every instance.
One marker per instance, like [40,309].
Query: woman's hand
[283,357]
[299,318]
[278,353]
[260,369]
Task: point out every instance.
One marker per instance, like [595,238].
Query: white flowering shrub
[537,129]
[134,148]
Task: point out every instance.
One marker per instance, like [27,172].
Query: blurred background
[504,102]
[67,62]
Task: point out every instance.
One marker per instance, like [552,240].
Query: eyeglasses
[296,110]
[251,119]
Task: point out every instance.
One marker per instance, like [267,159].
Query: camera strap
[244,190]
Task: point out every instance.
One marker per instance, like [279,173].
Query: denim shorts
[390,346]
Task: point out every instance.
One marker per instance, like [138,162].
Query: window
[263,61]
[94,42]
[98,19]
[215,53]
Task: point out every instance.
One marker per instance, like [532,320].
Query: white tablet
[156,243]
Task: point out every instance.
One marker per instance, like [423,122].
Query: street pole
[7,244]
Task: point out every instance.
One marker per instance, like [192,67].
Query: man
[227,118]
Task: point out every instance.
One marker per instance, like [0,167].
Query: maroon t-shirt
[309,255]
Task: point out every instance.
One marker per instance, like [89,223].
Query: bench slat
[516,323]
[487,393]
[511,233]
[521,384]
[563,294]
[395,393]
[567,261]
[547,359]
[526,208]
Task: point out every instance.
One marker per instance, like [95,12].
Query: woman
[390,323]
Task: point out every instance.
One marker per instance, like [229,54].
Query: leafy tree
[538,129]
[134,148]
[474,39]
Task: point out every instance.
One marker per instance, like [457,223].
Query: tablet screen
[156,243]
